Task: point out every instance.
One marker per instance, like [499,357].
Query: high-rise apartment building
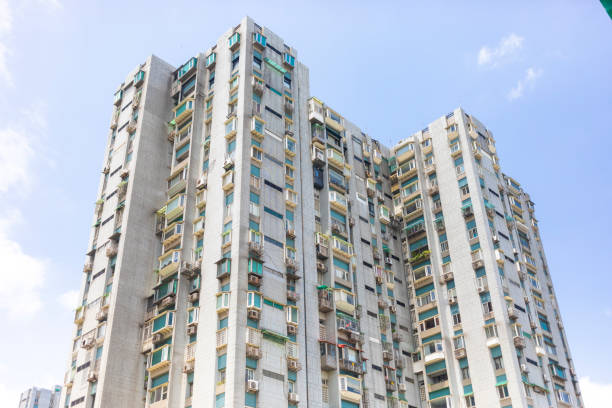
[251,248]
[40,398]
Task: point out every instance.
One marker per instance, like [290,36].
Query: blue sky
[536,73]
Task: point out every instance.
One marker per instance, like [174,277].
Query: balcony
[433,352]
[259,41]
[183,110]
[384,215]
[350,388]
[118,97]
[326,300]
[345,301]
[159,359]
[335,157]
[234,41]
[354,367]
[467,211]
[415,229]
[519,342]
[223,299]
[318,157]
[175,207]
[111,249]
[256,245]
[227,181]
[211,59]
[390,384]
[322,243]
[347,325]
[422,275]
[169,263]
[328,356]
[407,170]
[338,201]
[190,350]
[477,259]
[291,198]
[333,120]
[288,60]
[288,105]
[163,324]
[342,249]
[460,353]
[412,209]
[188,68]
[439,224]
[221,338]
[290,146]
[315,111]
[172,235]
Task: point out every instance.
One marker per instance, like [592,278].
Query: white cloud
[531,75]
[595,394]
[21,274]
[6,26]
[9,397]
[69,299]
[6,17]
[507,47]
[16,157]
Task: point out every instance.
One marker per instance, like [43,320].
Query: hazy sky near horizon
[536,73]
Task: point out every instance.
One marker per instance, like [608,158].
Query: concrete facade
[252,247]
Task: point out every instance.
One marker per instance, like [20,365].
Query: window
[465,190]
[498,363]
[235,59]
[429,323]
[292,314]
[469,401]
[257,60]
[465,373]
[211,79]
[458,342]
[456,318]
[158,394]
[502,390]
[487,307]
[491,331]
[473,233]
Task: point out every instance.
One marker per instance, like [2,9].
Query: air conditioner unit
[293,398]
[228,163]
[402,387]
[387,260]
[393,309]
[452,300]
[193,297]
[88,342]
[293,365]
[291,330]
[351,221]
[524,368]
[252,386]
[92,376]
[202,182]
[156,337]
[191,330]
[253,314]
